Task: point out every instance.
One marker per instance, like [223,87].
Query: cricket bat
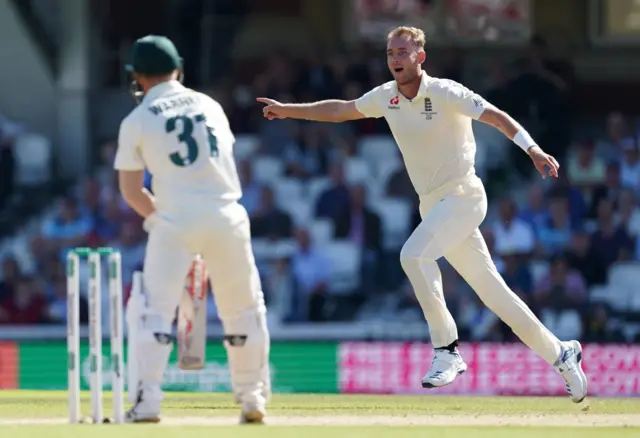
[192,318]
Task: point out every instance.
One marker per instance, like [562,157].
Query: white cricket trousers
[451,216]
[221,234]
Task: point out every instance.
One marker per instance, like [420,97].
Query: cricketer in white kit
[183,138]
[430,119]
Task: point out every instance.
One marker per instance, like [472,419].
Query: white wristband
[524,140]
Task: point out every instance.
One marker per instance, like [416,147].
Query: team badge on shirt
[393,103]
[428,109]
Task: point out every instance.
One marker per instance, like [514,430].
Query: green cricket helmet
[153,55]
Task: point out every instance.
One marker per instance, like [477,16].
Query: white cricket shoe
[252,413]
[146,408]
[445,367]
[570,368]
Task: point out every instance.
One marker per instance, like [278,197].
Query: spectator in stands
[268,220]
[562,288]
[10,276]
[274,137]
[362,227]
[586,170]
[107,223]
[250,189]
[278,286]
[610,147]
[599,326]
[90,198]
[535,212]
[130,243]
[399,186]
[308,156]
[582,257]
[555,234]
[26,305]
[334,201]
[317,80]
[610,190]
[576,199]
[9,132]
[57,300]
[490,240]
[517,275]
[512,234]
[311,270]
[611,243]
[630,165]
[69,228]
[628,214]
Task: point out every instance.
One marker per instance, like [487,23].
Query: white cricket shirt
[183,139]
[433,130]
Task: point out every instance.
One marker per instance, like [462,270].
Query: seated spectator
[576,199]
[309,156]
[600,327]
[611,243]
[268,220]
[535,212]
[490,240]
[630,166]
[311,270]
[91,202]
[628,215]
[130,241]
[399,186]
[517,275]
[363,227]
[562,288]
[108,222]
[582,257]
[26,305]
[276,134]
[250,189]
[57,300]
[69,228]
[512,234]
[334,201]
[610,190]
[10,276]
[359,224]
[555,233]
[586,170]
[278,287]
[610,147]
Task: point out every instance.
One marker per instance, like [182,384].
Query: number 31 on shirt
[186,137]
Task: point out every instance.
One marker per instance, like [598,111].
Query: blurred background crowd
[331,205]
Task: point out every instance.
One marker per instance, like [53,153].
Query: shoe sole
[150,420]
[428,385]
[576,345]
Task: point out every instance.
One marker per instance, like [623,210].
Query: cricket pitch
[43,414]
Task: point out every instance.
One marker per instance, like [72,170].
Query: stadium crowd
[309,185]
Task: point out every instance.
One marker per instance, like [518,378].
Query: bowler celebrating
[430,119]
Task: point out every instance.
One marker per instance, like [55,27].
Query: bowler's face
[404,59]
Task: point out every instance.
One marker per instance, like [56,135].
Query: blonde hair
[416,36]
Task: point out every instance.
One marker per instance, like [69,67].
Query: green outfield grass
[43,414]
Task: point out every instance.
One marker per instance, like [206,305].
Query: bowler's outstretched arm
[334,111]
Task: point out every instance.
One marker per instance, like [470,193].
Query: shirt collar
[422,90]
[162,88]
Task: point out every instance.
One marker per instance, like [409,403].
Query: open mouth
[398,69]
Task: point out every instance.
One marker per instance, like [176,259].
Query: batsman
[183,139]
